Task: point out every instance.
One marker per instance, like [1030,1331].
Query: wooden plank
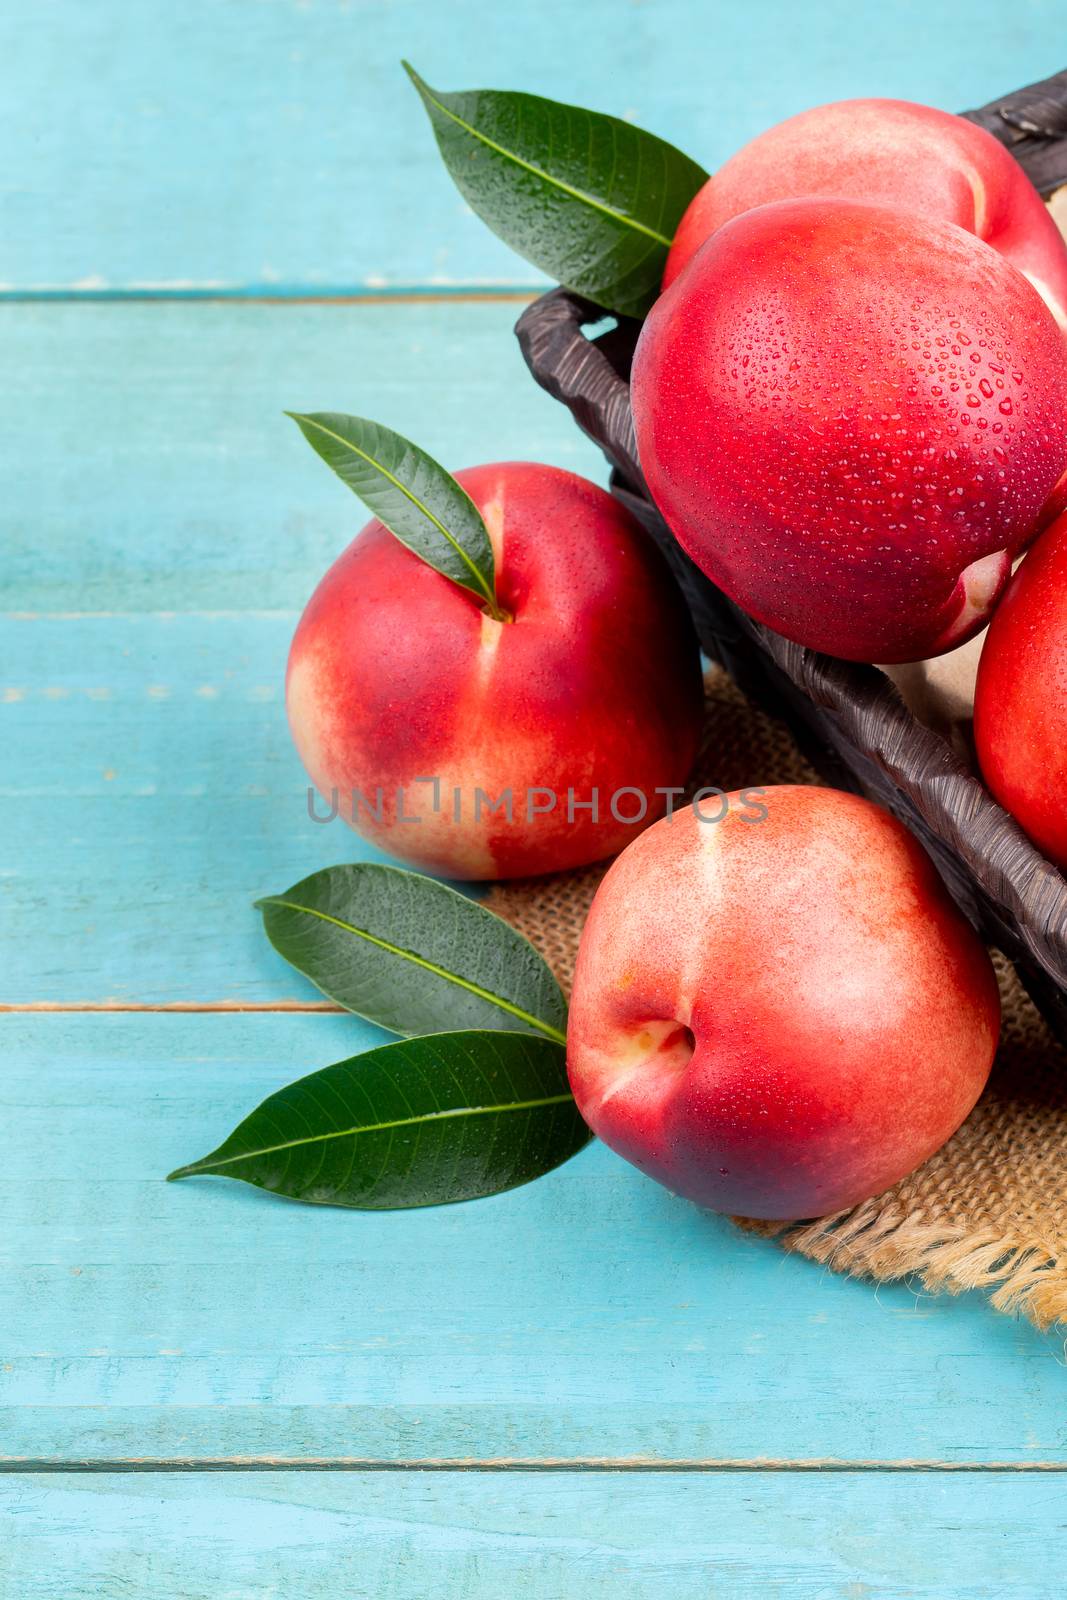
[588,1315]
[191,490]
[477,1536]
[278,146]
[146,463]
[152,756]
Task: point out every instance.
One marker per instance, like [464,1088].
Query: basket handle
[1032,123]
[575,371]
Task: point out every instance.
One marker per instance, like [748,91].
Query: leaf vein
[420,505]
[547,177]
[377,1127]
[421,961]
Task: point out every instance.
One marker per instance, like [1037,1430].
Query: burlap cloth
[989,1211]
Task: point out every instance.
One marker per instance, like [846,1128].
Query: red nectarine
[1020,697]
[852,418]
[778,1017]
[407,700]
[929,163]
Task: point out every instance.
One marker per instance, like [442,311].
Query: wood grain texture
[147,465]
[162,525]
[588,1315]
[272,146]
[190,489]
[153,754]
[473,1536]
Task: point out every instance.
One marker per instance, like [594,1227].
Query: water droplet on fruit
[1005,407]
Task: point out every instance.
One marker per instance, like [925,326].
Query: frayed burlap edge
[989,1210]
[875,1240]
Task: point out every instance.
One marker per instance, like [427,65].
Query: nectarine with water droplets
[852,419]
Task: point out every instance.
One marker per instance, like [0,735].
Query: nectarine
[929,163]
[852,418]
[407,701]
[1020,698]
[781,1013]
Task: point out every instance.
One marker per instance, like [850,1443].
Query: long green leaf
[418,1123]
[410,492]
[412,954]
[591,200]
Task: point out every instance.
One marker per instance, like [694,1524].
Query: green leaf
[421,1122]
[417,499]
[591,200]
[411,954]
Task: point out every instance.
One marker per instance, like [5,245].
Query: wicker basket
[848,719]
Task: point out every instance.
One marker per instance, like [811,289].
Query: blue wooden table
[210,212]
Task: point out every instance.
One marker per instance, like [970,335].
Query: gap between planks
[575,1464]
[185,1006]
[462,294]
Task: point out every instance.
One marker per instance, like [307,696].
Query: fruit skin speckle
[812,419]
[809,1017]
[1020,700]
